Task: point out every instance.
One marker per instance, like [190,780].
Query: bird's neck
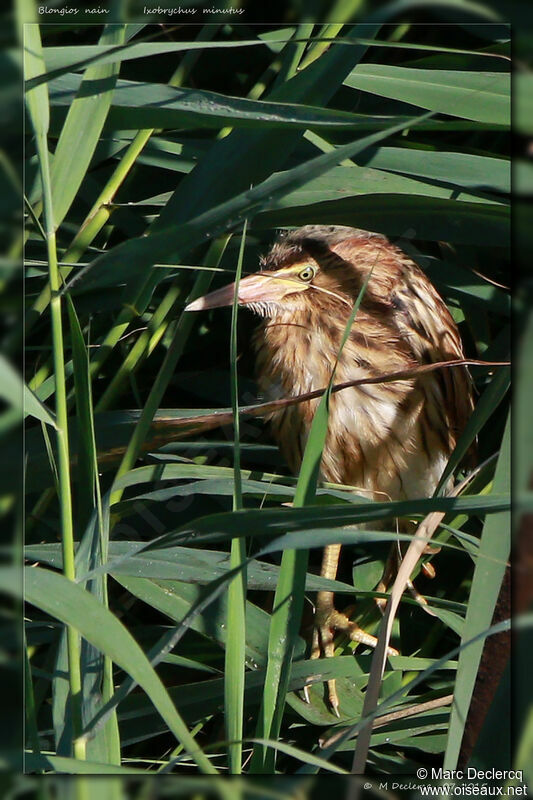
[296,352]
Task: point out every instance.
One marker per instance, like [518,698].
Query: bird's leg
[429,571]
[391,568]
[325,609]
[328,620]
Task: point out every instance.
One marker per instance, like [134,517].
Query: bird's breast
[369,426]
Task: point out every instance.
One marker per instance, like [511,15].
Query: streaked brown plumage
[389,440]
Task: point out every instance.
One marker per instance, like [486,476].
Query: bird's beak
[261,287]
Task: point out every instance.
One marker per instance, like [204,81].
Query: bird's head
[314,267]
[268,293]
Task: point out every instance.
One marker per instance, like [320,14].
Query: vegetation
[157,160]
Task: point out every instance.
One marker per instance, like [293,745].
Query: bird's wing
[427,325]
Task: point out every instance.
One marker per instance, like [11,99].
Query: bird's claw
[391,569]
[323,644]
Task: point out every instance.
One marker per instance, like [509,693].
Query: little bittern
[388,440]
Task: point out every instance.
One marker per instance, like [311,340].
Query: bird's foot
[389,573]
[323,644]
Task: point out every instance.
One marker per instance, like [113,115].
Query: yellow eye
[307,274]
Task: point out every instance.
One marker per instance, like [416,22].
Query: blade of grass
[488,576]
[95,220]
[288,600]
[356,181]
[176,425]
[246,157]
[60,60]
[107,743]
[487,403]
[292,53]
[51,763]
[341,12]
[269,522]
[424,532]
[87,465]
[142,348]
[38,108]
[138,293]
[159,106]
[83,127]
[134,257]
[18,395]
[183,604]
[481,96]
[168,366]
[480,224]
[332,745]
[51,458]
[32,729]
[191,566]
[235,655]
[68,602]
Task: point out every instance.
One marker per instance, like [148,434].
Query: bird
[389,440]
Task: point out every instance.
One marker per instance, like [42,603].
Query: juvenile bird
[387,440]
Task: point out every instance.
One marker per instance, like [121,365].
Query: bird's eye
[307,274]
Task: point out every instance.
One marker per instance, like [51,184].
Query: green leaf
[88,109]
[481,96]
[206,697]
[200,699]
[98,670]
[59,60]
[488,576]
[156,105]
[72,766]
[18,395]
[37,98]
[276,522]
[87,460]
[345,182]
[174,599]
[234,665]
[133,257]
[68,602]
[244,158]
[432,218]
[190,565]
[460,169]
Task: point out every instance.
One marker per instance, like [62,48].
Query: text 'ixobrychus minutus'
[387,440]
